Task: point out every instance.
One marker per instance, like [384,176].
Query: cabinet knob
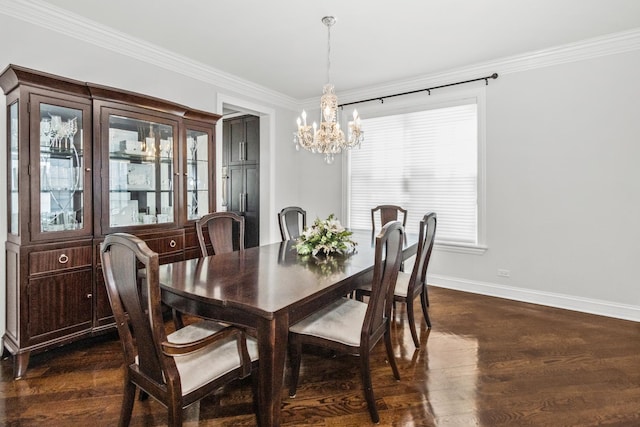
[172,243]
[89,296]
[88,169]
[63,259]
[177,174]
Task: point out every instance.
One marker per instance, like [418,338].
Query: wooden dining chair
[221,229]
[387,213]
[410,286]
[292,221]
[179,368]
[354,327]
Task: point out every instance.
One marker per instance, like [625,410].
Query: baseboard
[568,302]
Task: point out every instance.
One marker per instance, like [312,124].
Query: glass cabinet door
[64,177]
[141,172]
[197,173]
[14,167]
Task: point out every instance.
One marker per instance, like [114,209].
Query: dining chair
[354,327]
[221,229]
[387,213]
[179,368]
[226,234]
[409,286]
[292,221]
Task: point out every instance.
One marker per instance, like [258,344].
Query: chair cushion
[211,362]
[402,284]
[340,321]
[195,331]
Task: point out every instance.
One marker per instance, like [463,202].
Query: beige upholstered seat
[176,369]
[196,369]
[354,327]
[340,321]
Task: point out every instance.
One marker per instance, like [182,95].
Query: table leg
[272,348]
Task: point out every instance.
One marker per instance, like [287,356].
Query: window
[423,158]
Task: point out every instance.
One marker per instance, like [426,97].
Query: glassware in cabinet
[141,172]
[61,172]
[198,174]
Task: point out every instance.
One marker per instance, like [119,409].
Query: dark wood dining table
[268,288]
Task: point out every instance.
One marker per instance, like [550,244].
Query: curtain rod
[382,98]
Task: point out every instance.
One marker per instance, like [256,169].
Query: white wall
[54,53]
[563,189]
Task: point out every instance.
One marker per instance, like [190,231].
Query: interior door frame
[268,232]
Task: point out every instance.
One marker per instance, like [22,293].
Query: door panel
[252,210]
[50,299]
[252,139]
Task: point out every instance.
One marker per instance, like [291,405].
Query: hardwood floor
[486,362]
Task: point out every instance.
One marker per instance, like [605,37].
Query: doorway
[241,172]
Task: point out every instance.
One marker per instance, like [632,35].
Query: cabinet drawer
[165,245]
[59,259]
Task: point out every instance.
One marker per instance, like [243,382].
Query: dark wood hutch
[83,161]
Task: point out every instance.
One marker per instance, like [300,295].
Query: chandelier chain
[328,53]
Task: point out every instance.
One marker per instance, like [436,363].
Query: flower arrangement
[325,237]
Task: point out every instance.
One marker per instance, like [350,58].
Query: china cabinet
[84,161]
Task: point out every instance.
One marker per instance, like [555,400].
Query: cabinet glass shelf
[197,169]
[141,171]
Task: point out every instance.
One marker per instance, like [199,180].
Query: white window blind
[423,161]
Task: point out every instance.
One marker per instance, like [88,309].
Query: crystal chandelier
[328,139]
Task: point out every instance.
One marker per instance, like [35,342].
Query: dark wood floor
[486,362]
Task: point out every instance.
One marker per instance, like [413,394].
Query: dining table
[266,289]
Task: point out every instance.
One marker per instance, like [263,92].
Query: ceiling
[282,44]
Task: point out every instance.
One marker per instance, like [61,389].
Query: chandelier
[328,139]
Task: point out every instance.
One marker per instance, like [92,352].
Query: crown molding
[46,16]
[610,44]
[63,22]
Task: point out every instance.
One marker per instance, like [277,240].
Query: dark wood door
[244,199]
[241,155]
[241,140]
[252,206]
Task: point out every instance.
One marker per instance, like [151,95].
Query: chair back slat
[427,238]
[139,298]
[388,256]
[292,221]
[225,231]
[386,214]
